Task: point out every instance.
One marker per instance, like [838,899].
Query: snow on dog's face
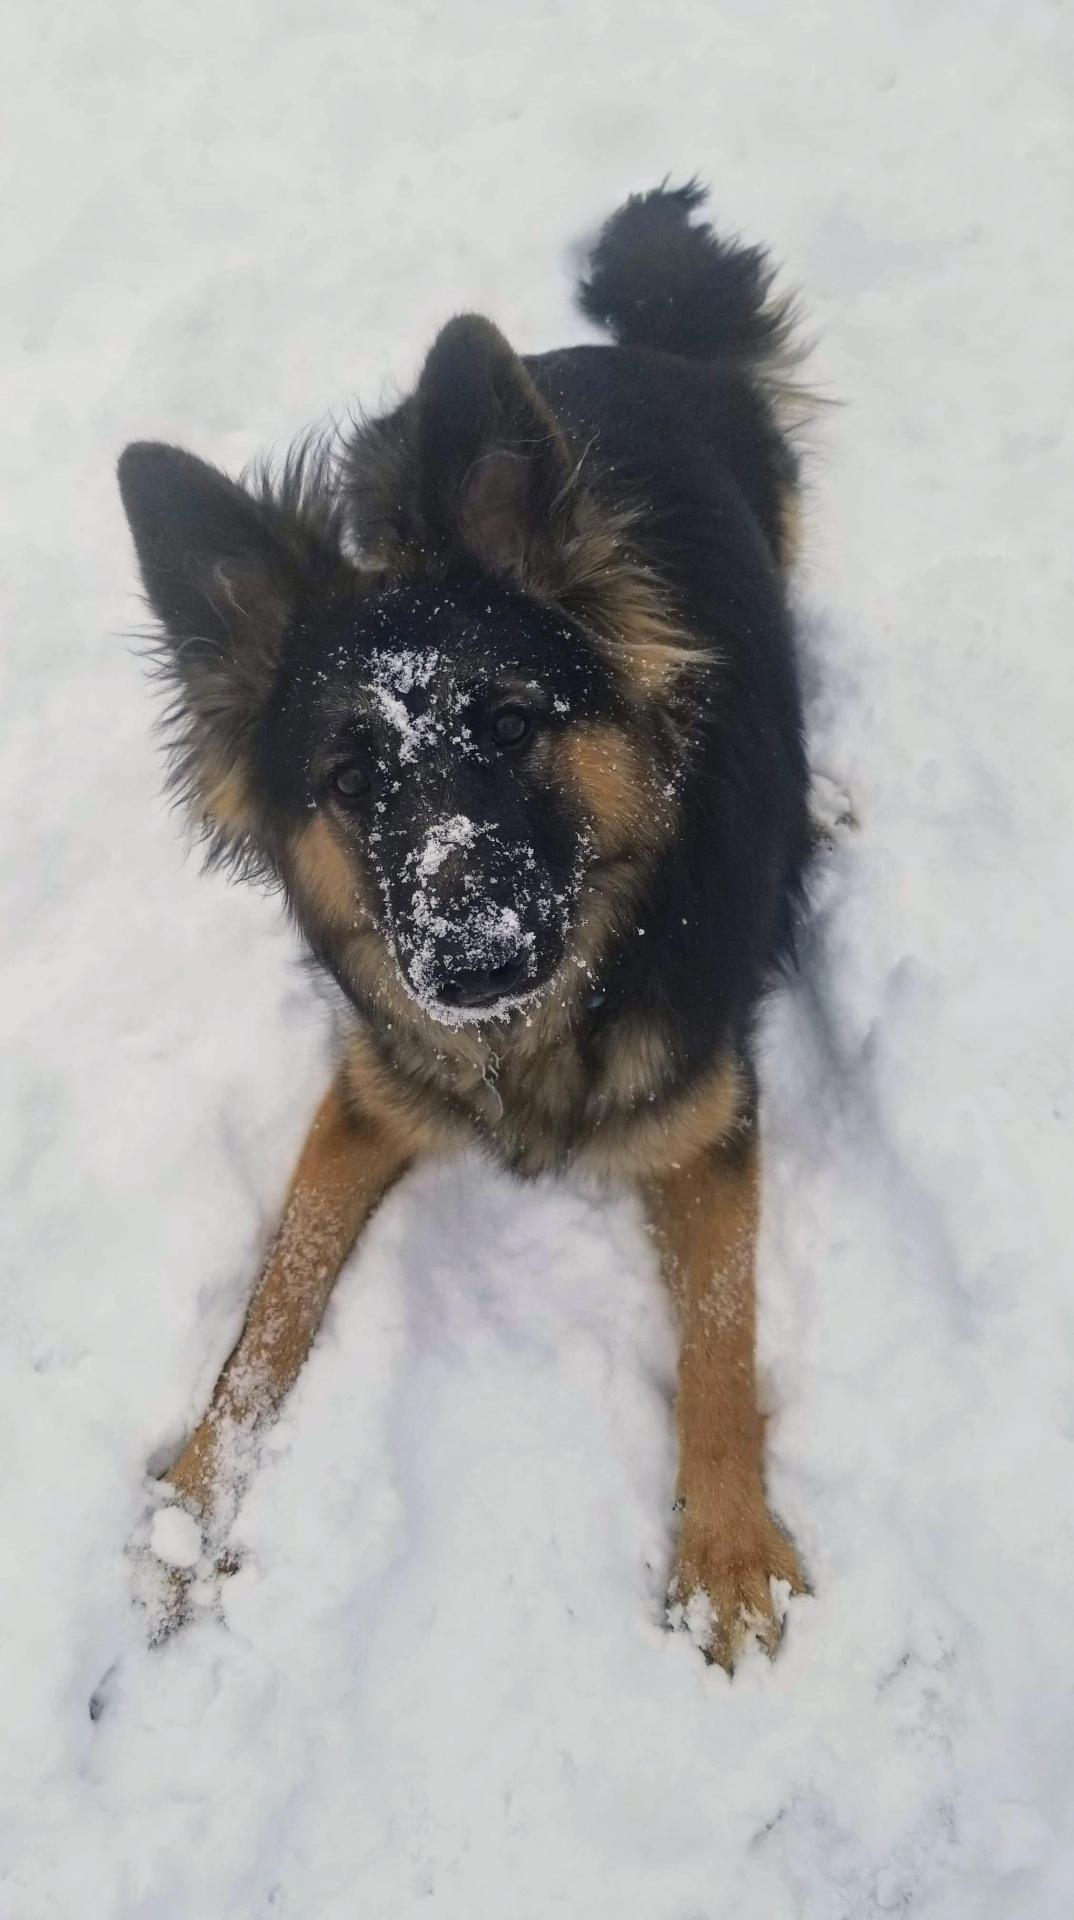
[457,747]
[420,737]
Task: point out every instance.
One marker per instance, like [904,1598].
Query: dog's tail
[657,279]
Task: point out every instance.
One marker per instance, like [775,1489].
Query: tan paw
[176,1576]
[722,1590]
[161,1587]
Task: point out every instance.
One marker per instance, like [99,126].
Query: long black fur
[677,422]
[659,279]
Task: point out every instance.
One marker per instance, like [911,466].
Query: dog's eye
[511,726]
[352,781]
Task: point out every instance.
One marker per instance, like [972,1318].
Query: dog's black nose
[460,986]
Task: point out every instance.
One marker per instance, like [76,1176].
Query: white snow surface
[441,1684]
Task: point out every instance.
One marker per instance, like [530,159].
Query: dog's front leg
[345,1168]
[705,1216]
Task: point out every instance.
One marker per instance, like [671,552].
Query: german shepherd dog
[500,689]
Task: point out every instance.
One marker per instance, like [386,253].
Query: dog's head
[426,686]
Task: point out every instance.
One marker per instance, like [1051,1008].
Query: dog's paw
[176,1575]
[728,1591]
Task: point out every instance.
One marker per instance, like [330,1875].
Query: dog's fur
[556,945]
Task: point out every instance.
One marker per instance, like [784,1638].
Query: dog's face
[426,729]
[456,750]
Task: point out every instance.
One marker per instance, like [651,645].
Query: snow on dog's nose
[468,931]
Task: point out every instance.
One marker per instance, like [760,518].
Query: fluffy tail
[658,280]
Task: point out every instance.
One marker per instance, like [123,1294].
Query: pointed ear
[494,467]
[217,570]
[223,570]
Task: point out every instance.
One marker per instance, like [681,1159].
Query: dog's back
[676,430]
[687,406]
[683,418]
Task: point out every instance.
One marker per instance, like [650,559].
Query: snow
[175,1538]
[456,831]
[439,1681]
[393,676]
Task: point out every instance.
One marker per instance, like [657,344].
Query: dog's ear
[223,570]
[216,571]
[494,469]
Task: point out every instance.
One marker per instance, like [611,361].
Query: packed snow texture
[442,1683]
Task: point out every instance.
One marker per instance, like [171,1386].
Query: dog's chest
[540,1098]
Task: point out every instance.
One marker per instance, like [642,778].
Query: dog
[500,689]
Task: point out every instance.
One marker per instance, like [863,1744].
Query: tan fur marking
[345,1167]
[637,1065]
[790,527]
[226,801]
[603,583]
[705,1217]
[606,770]
[380,1097]
[326,875]
[652,1143]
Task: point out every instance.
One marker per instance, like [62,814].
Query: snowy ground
[442,1686]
